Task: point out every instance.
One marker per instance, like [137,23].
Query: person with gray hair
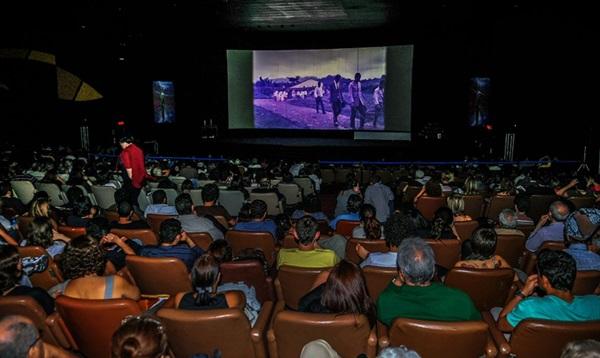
[550,227]
[20,338]
[507,221]
[587,348]
[412,294]
[398,352]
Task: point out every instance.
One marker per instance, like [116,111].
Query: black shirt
[41,296]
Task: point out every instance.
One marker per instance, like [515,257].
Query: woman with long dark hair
[370,228]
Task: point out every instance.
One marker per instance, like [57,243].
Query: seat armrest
[257,333]
[490,347]
[382,333]
[502,346]
[272,344]
[60,332]
[372,343]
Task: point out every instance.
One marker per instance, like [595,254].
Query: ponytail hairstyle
[205,276]
[140,337]
[368,219]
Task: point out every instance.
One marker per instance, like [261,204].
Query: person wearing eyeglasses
[20,338]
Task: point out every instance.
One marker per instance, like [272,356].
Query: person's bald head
[559,211]
[17,336]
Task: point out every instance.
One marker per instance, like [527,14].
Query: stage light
[488,127]
[121,123]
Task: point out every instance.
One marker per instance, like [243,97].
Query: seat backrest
[465,229]
[232,200]
[196,195]
[487,288]
[294,282]
[111,216]
[526,229]
[539,205]
[155,220]
[202,183]
[369,245]
[473,205]
[410,193]
[583,201]
[530,259]
[47,278]
[341,174]
[155,276]
[201,239]
[378,278]
[428,205]
[252,273]
[27,306]
[93,322]
[586,282]
[432,339]
[71,231]
[144,200]
[447,252]
[511,248]
[306,184]
[348,334]
[240,240]
[57,198]
[345,227]
[497,204]
[539,338]
[291,192]
[24,190]
[272,201]
[171,195]
[105,195]
[192,332]
[147,236]
[328,176]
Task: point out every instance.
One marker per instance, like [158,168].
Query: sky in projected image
[369,61]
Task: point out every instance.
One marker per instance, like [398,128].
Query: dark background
[537,56]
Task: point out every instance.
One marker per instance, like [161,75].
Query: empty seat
[105,196]
[447,252]
[377,279]
[24,190]
[147,236]
[294,282]
[427,206]
[155,276]
[369,245]
[487,288]
[240,240]
[274,206]
[511,248]
[232,200]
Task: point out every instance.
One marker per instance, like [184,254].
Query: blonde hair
[471,186]
[40,208]
[456,203]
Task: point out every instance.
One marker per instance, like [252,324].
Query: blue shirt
[347,216]
[380,259]
[582,308]
[265,226]
[552,232]
[584,258]
[298,214]
[183,252]
[160,209]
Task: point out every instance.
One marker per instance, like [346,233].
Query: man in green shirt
[413,295]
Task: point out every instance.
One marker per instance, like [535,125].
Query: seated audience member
[11,272]
[556,276]
[140,336]
[40,207]
[258,220]
[397,228]
[284,226]
[51,177]
[125,219]
[115,248]
[264,187]
[370,228]
[81,213]
[120,195]
[308,253]
[456,203]
[352,209]
[507,222]
[42,234]
[83,265]
[173,242]
[482,255]
[9,201]
[442,225]
[311,205]
[344,292]
[165,183]
[413,294]
[587,348]
[472,186]
[319,348]
[20,338]
[381,197]
[190,222]
[522,203]
[159,205]
[210,195]
[433,188]
[420,224]
[187,186]
[550,227]
[581,228]
[352,188]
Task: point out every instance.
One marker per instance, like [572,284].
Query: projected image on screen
[320,89]
[478,101]
[164,101]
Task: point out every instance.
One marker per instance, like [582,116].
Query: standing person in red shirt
[131,163]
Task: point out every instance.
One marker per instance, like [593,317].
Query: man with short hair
[131,162]
[173,241]
[582,227]
[414,295]
[358,102]
[521,207]
[336,98]
[159,205]
[20,338]
[258,221]
[125,221]
[210,195]
[554,231]
[556,277]
[381,197]
[308,253]
[507,220]
[397,228]
[190,222]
